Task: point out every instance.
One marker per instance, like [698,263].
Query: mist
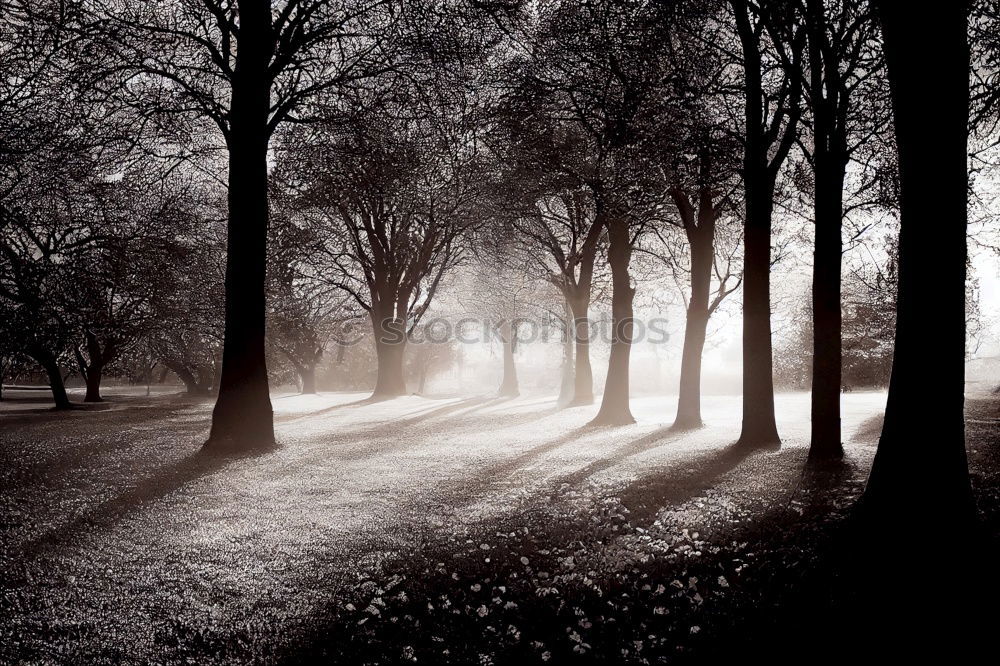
[498,332]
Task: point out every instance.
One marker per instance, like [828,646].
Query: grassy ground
[439,531]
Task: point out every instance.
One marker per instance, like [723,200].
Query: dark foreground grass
[685,570]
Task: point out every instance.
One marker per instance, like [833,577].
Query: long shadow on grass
[649,442]
[145,492]
[545,536]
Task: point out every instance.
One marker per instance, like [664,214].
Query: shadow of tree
[146,491]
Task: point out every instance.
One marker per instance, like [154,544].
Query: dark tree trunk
[828,95]
[760,169]
[827,318]
[615,401]
[94,375]
[243,418]
[192,384]
[92,365]
[390,382]
[920,474]
[56,383]
[508,385]
[390,349]
[759,427]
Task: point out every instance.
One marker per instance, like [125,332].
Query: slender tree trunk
[583,373]
[759,172]
[920,474]
[695,328]
[243,418]
[509,386]
[423,380]
[827,318]
[567,371]
[308,376]
[830,161]
[615,401]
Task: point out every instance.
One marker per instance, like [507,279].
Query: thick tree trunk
[390,383]
[56,383]
[390,350]
[508,385]
[243,418]
[615,401]
[920,474]
[759,427]
[94,375]
[826,368]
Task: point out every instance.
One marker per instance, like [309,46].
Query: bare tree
[772,47]
[249,66]
[562,232]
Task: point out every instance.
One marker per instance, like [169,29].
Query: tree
[563,228]
[392,197]
[772,48]
[920,472]
[595,75]
[840,90]
[249,66]
[699,221]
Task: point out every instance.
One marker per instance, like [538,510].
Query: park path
[115,528]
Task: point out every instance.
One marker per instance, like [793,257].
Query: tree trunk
[48,362]
[759,174]
[94,374]
[423,380]
[192,384]
[920,474]
[308,376]
[390,349]
[830,161]
[701,240]
[826,368]
[508,386]
[615,401]
[567,371]
[243,418]
[583,374]
[759,427]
